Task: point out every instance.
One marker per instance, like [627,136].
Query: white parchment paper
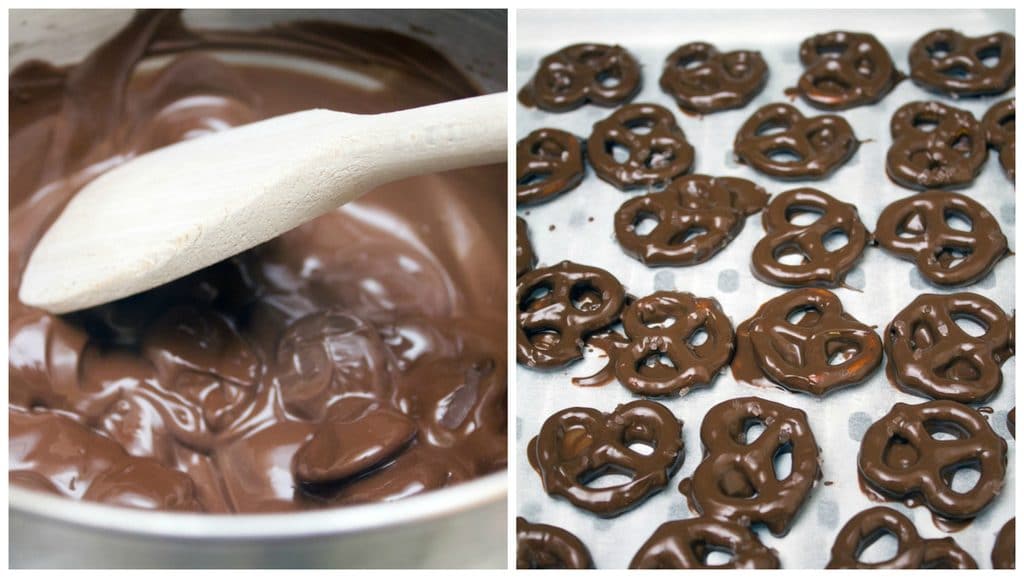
[578,226]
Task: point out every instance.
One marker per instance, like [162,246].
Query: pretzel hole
[609,78]
[898,453]
[686,236]
[539,292]
[865,67]
[656,365]
[752,430]
[659,157]
[841,351]
[641,448]
[835,240]
[712,556]
[656,319]
[691,61]
[549,148]
[911,226]
[990,55]
[606,477]
[618,152]
[803,315]
[960,369]
[878,546]
[641,126]
[586,297]
[822,138]
[1008,122]
[952,257]
[644,223]
[735,483]
[544,339]
[575,441]
[791,255]
[532,178]
[958,221]
[956,71]
[803,216]
[782,461]
[925,123]
[831,84]
[920,336]
[962,145]
[772,126]
[939,49]
[784,156]
[962,477]
[945,431]
[698,337]
[971,325]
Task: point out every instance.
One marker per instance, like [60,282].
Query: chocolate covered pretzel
[1004,553]
[902,459]
[526,259]
[918,229]
[935,146]
[546,547]
[686,545]
[778,140]
[581,73]
[703,80]
[819,265]
[549,162]
[929,354]
[912,551]
[1000,129]
[696,216]
[947,62]
[736,480]
[578,445]
[664,326]
[845,69]
[798,355]
[558,306]
[657,147]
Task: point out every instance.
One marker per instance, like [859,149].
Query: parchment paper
[578,226]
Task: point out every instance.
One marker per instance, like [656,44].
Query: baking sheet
[578,226]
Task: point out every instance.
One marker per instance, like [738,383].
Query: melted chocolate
[919,229]
[696,217]
[545,547]
[947,62]
[703,80]
[1011,421]
[549,162]
[935,146]
[686,545]
[736,480]
[657,147]
[578,445]
[575,75]
[1000,124]
[526,259]
[357,358]
[901,459]
[778,140]
[845,69]
[913,552]
[929,354]
[1004,552]
[801,355]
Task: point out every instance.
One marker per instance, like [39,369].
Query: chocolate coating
[657,147]
[549,162]
[558,307]
[703,80]
[661,357]
[918,229]
[845,69]
[697,216]
[935,146]
[900,459]
[575,75]
[1000,129]
[1004,553]
[913,552]
[947,62]
[356,358]
[578,445]
[546,547]
[736,480]
[685,545]
[526,259]
[819,265]
[797,355]
[779,141]
[1011,421]
[929,354]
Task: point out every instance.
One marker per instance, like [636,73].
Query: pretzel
[912,552]
[819,266]
[686,544]
[579,300]
[900,459]
[1004,552]
[797,355]
[549,162]
[947,62]
[526,259]
[917,229]
[1000,131]
[844,70]
[545,547]
[736,480]
[930,355]
[664,324]
[820,144]
[578,445]
[935,146]
[658,149]
[697,216]
[703,80]
[581,73]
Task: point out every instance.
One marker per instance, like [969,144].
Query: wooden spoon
[175,210]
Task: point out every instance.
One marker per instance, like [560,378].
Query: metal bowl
[460,526]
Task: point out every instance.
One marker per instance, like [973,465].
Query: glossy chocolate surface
[913,551]
[686,544]
[526,259]
[1000,124]
[1004,553]
[935,146]
[779,141]
[845,69]
[575,75]
[703,80]
[357,358]
[947,62]
[654,147]
[546,547]
[549,162]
